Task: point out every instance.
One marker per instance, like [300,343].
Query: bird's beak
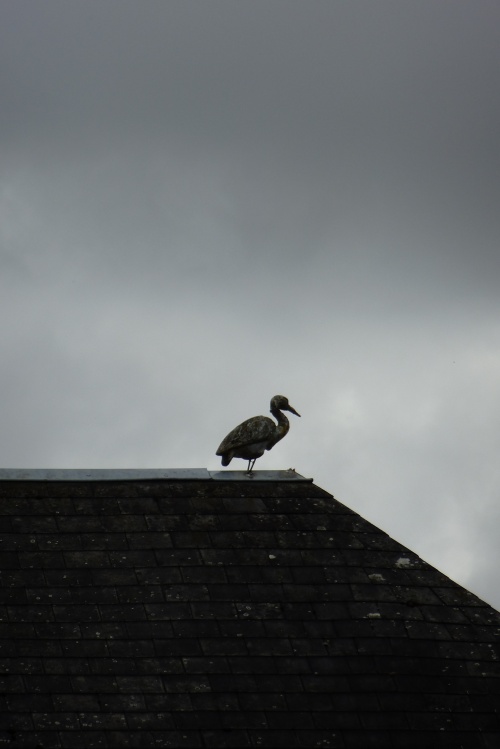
[291,408]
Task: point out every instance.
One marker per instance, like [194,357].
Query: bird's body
[254,436]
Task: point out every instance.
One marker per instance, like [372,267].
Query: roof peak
[143,474]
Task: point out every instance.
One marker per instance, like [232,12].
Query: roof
[180,611]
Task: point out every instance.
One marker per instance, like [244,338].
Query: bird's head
[280,403]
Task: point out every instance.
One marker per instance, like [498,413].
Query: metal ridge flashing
[143,474]
[101,474]
[289,475]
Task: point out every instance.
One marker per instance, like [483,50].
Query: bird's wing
[256,429]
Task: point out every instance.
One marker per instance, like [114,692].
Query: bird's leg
[250,467]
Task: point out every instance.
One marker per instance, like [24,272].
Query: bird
[254,436]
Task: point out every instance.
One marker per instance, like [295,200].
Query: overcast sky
[207,203]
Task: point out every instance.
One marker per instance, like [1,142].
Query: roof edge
[288,475]
[143,474]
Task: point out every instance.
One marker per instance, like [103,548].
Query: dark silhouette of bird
[254,436]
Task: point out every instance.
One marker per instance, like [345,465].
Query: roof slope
[205,613]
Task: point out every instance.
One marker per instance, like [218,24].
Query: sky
[207,203]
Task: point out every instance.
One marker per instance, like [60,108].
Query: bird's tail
[226,460]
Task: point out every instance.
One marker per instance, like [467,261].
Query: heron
[254,436]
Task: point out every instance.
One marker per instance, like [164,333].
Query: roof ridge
[143,474]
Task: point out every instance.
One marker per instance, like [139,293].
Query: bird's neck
[283,424]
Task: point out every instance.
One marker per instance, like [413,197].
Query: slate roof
[198,612]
